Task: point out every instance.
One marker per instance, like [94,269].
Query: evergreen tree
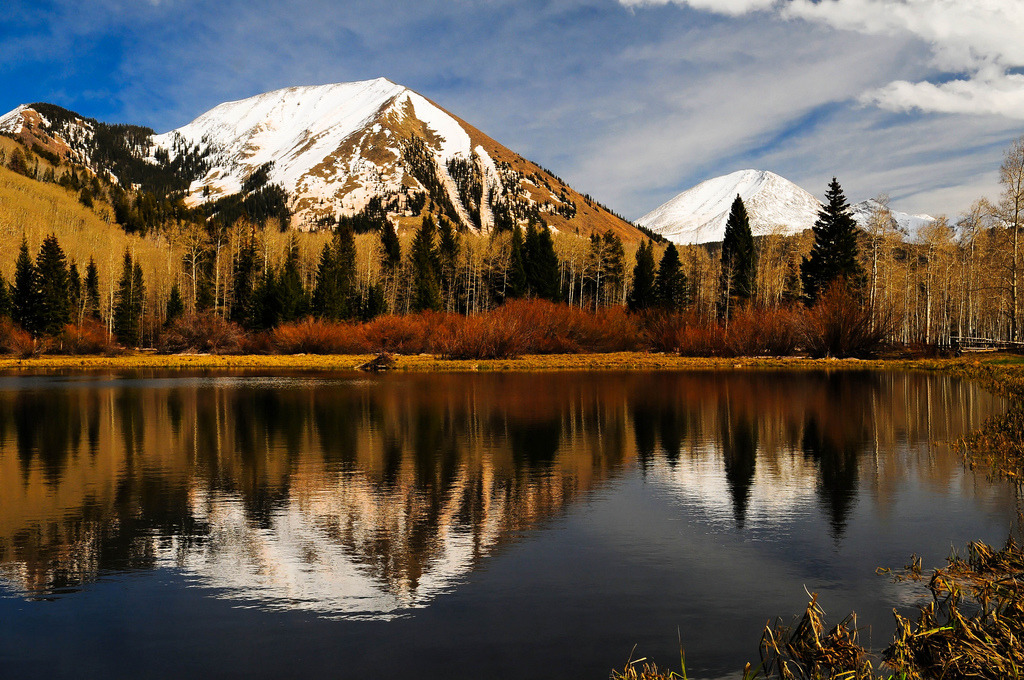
[138,308]
[25,295]
[75,292]
[643,294]
[542,269]
[614,268]
[292,302]
[92,291]
[739,259]
[244,280]
[426,293]
[53,286]
[5,299]
[392,255]
[515,276]
[834,253]
[671,284]
[448,248]
[175,305]
[125,320]
[345,272]
[334,292]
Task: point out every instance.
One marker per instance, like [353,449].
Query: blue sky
[631,101]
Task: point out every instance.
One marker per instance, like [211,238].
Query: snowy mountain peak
[698,215]
[335,150]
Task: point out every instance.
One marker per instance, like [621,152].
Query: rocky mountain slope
[335,149]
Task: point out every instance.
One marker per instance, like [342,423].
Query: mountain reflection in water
[367,497]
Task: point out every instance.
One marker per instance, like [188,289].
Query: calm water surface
[440,526]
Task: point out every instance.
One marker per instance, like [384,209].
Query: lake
[467,525]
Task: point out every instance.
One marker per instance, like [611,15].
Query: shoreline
[972,366]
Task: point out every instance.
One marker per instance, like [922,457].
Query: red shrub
[13,340]
[489,336]
[759,331]
[409,334]
[841,325]
[314,336]
[202,333]
[90,337]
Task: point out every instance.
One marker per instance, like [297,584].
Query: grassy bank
[996,370]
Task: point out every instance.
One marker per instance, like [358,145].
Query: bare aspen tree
[1011,176]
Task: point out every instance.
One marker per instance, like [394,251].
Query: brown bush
[490,336]
[13,340]
[553,328]
[763,331]
[89,337]
[314,336]
[409,334]
[841,325]
[203,332]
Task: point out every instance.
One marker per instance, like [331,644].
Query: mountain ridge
[334,149]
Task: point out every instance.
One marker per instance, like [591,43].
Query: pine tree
[392,248]
[245,277]
[448,248]
[92,291]
[426,293]
[345,271]
[614,268]
[138,308]
[671,284]
[126,323]
[25,295]
[643,294]
[834,253]
[175,305]
[515,276]
[75,292]
[739,259]
[292,302]
[53,285]
[542,269]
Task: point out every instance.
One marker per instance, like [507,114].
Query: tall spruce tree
[53,286]
[614,268]
[542,268]
[292,302]
[75,293]
[175,305]
[92,290]
[426,284]
[25,295]
[245,277]
[449,245]
[643,294]
[834,253]
[334,293]
[671,284]
[739,260]
[515,274]
[125,321]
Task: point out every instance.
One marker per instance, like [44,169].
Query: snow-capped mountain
[774,205]
[698,215]
[908,225]
[334,148]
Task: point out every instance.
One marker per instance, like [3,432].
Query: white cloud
[981,38]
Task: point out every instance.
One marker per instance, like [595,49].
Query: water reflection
[365,497]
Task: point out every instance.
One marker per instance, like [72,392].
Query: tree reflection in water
[366,496]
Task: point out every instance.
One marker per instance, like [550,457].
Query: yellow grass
[618,361]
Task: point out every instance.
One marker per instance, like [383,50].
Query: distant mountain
[335,149]
[908,225]
[774,204]
[698,215]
